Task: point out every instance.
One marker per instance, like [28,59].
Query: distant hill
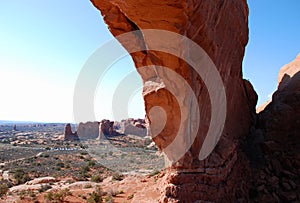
[7,122]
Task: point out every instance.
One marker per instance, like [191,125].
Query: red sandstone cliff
[221,29]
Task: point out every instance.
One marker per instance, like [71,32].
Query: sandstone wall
[220,27]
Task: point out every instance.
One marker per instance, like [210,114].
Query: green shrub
[20,176]
[87,186]
[96,196]
[44,188]
[58,196]
[60,164]
[96,179]
[117,176]
[91,163]
[108,199]
[48,196]
[3,189]
[130,196]
[154,173]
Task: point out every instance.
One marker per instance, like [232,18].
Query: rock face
[132,127]
[69,135]
[279,129]
[220,27]
[107,127]
[88,130]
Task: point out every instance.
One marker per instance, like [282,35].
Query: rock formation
[128,126]
[278,132]
[107,127]
[132,127]
[88,130]
[221,29]
[69,135]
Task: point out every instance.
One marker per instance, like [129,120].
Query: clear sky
[44,45]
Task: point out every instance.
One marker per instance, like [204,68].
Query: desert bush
[117,176]
[48,197]
[91,163]
[108,199]
[58,196]
[45,155]
[113,192]
[28,194]
[84,153]
[130,196]
[96,196]
[20,176]
[60,164]
[44,188]
[3,189]
[88,186]
[96,179]
[154,173]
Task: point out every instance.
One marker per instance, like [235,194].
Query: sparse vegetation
[88,186]
[91,163]
[3,189]
[117,176]
[154,173]
[44,188]
[96,179]
[130,196]
[96,196]
[114,192]
[20,176]
[108,199]
[58,196]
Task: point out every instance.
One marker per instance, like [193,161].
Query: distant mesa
[97,130]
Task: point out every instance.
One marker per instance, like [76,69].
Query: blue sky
[44,45]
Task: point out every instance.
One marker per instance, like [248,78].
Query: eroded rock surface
[221,29]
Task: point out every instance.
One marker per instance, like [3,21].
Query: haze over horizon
[44,45]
